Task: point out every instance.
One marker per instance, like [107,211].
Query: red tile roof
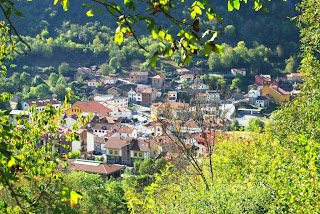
[93,107]
[142,145]
[94,166]
[159,76]
[117,142]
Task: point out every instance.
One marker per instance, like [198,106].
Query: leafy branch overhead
[190,39]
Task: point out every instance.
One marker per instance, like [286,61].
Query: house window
[135,154]
[110,152]
[140,155]
[116,152]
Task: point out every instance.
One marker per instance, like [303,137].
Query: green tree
[53,78]
[65,69]
[49,70]
[105,69]
[25,79]
[37,80]
[60,91]
[62,81]
[42,91]
[255,124]
[229,31]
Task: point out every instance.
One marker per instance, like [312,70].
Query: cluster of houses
[114,133]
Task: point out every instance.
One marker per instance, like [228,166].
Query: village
[139,116]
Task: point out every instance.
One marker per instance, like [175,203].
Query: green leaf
[230,5]
[188,59]
[236,4]
[153,59]
[11,162]
[193,14]
[218,49]
[207,49]
[90,13]
[169,38]
[155,32]
[162,35]
[65,4]
[74,197]
[64,194]
[112,10]
[98,11]
[198,10]
[86,5]
[118,38]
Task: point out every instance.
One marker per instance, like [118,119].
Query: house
[158,81]
[40,103]
[262,101]
[142,148]
[118,111]
[114,91]
[235,71]
[150,129]
[118,101]
[118,150]
[262,80]
[189,126]
[127,132]
[200,86]
[212,97]
[103,169]
[92,83]
[187,77]
[172,96]
[182,71]
[107,80]
[103,98]
[61,144]
[93,107]
[83,72]
[278,94]
[253,94]
[294,77]
[138,77]
[142,96]
[111,99]
[170,110]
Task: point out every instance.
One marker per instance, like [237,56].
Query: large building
[139,77]
[41,103]
[278,94]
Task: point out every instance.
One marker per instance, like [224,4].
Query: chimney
[149,144]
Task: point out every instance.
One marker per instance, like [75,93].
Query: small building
[103,169]
[93,83]
[158,81]
[212,97]
[182,71]
[235,71]
[294,77]
[172,96]
[263,79]
[138,77]
[278,94]
[114,91]
[143,96]
[187,77]
[262,101]
[40,103]
[107,80]
[93,107]
[200,86]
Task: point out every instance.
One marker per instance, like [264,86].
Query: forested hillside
[56,35]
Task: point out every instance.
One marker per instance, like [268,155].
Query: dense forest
[273,170]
